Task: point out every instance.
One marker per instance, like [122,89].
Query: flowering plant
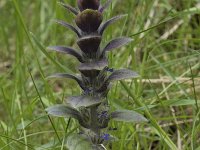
[91,108]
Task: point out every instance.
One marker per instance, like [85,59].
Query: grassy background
[165,52]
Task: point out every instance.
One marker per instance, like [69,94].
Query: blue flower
[109,69]
[103,115]
[106,136]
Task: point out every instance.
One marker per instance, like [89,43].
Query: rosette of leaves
[91,108]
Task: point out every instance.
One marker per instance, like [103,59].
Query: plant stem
[94,126]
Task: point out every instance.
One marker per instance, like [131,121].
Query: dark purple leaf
[69,8]
[116,76]
[92,69]
[63,111]
[66,50]
[102,8]
[89,20]
[122,74]
[88,4]
[104,25]
[127,116]
[69,26]
[116,43]
[83,101]
[89,44]
[96,65]
[65,75]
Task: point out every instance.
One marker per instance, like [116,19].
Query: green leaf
[172,102]
[23,125]
[80,142]
[83,101]
[198,148]
[127,116]
[64,111]
[179,102]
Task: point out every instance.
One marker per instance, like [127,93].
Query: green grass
[165,52]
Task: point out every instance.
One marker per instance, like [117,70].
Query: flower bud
[88,4]
[89,20]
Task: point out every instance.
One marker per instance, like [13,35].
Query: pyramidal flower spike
[91,108]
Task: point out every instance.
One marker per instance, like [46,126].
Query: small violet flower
[106,136]
[109,69]
[88,91]
[103,115]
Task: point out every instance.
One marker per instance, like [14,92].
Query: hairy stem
[94,125]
